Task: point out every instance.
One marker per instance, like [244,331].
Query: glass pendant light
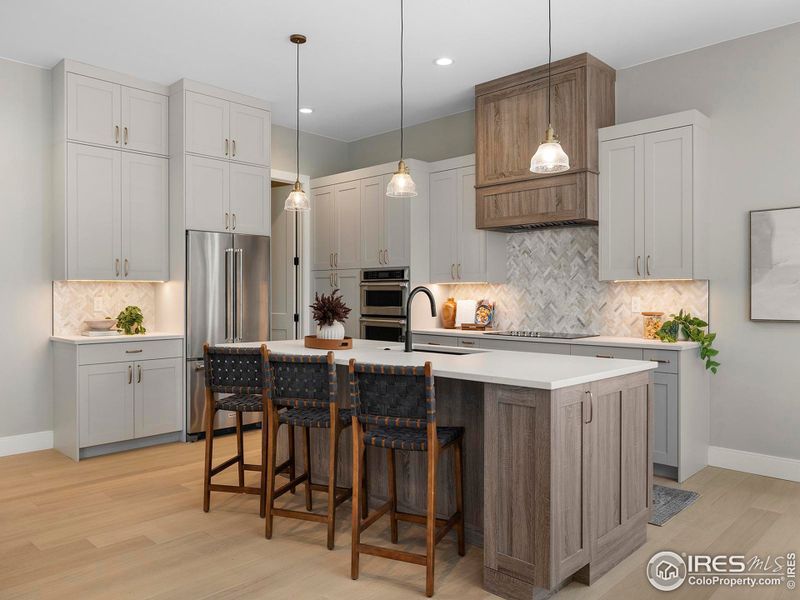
[401,185]
[550,156]
[297,201]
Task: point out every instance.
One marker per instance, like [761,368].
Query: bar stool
[240,372]
[307,386]
[395,408]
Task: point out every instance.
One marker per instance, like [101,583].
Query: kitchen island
[557,453]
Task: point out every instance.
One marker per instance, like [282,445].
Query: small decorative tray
[312,341]
[474,327]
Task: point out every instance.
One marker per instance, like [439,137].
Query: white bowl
[101,325]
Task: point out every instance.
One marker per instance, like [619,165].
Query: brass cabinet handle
[139,374]
[126,267]
[130,374]
[233,147]
[226,220]
[433,343]
[386,256]
[335,259]
[647,265]
[467,343]
[116,266]
[336,279]
[380,257]
[604,356]
[638,271]
[125,135]
[659,360]
[139,351]
[452,271]
[116,134]
[226,146]
[330,278]
[233,221]
[330,260]
[591,407]
[458,270]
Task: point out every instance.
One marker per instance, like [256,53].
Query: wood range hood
[510,123]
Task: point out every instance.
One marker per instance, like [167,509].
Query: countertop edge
[78,340]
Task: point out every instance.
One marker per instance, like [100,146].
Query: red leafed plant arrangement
[328,309]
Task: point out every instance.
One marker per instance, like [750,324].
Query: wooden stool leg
[209,453]
[459,474]
[364,483]
[240,447]
[307,462]
[292,473]
[430,521]
[333,455]
[358,450]
[262,509]
[391,479]
[271,461]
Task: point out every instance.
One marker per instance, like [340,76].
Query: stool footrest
[379,512]
[296,514]
[288,486]
[250,467]
[236,489]
[321,487]
[392,553]
[418,519]
[448,525]
[222,466]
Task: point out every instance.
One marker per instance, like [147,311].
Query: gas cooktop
[541,334]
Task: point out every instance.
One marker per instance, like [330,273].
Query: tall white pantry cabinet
[111,176]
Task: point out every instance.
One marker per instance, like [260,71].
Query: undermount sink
[452,350]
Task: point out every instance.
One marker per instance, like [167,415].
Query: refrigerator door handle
[229,299]
[239,252]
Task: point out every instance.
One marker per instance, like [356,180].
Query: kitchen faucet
[414,292]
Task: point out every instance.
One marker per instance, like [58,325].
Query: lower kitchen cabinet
[348,282]
[103,397]
[665,407]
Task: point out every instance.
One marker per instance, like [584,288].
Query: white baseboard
[27,442]
[758,464]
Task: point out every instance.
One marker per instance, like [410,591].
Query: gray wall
[318,155]
[435,140]
[751,91]
[25,139]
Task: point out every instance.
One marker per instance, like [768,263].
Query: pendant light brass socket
[297,38]
[550,135]
[402,169]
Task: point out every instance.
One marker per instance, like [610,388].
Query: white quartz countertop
[523,369]
[598,340]
[107,339]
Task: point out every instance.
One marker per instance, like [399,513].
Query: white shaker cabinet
[348,282]
[249,198]
[323,209]
[105,403]
[93,213]
[347,225]
[385,225]
[145,126]
[459,252]
[250,132]
[653,191]
[156,399]
[207,189]
[93,110]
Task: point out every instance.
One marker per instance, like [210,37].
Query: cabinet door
[145,217]
[668,203]
[396,228]
[250,134]
[665,419]
[322,240]
[207,125]
[373,193]
[622,210]
[347,225]
[105,403]
[145,124]
[93,212]
[443,225]
[321,283]
[207,194]
[348,282]
[158,397]
[93,110]
[471,264]
[510,124]
[249,199]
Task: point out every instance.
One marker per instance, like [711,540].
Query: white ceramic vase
[331,332]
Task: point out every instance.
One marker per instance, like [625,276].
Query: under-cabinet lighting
[443,61]
[644,280]
[306,110]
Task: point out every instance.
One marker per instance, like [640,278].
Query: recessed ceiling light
[444,61]
[306,110]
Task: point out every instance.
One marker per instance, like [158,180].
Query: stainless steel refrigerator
[227,300]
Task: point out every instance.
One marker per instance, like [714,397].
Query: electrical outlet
[98,304]
[636,304]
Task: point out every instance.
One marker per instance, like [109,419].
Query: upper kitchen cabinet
[385,234]
[221,174]
[226,129]
[458,251]
[653,188]
[510,123]
[106,113]
[110,175]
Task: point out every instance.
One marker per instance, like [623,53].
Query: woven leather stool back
[235,370]
[303,381]
[392,396]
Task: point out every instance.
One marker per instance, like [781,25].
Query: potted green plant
[330,313]
[130,321]
[694,329]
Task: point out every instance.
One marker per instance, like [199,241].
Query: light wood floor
[131,526]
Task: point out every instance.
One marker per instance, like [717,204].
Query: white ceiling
[350,65]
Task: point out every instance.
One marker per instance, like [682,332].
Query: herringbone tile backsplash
[73,302]
[552,285]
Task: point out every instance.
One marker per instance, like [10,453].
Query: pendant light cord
[297,114]
[402,27]
[549,60]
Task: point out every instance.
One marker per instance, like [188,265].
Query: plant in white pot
[330,313]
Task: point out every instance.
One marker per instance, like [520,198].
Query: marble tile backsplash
[73,303]
[552,285]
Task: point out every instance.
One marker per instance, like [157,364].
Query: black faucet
[414,292]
